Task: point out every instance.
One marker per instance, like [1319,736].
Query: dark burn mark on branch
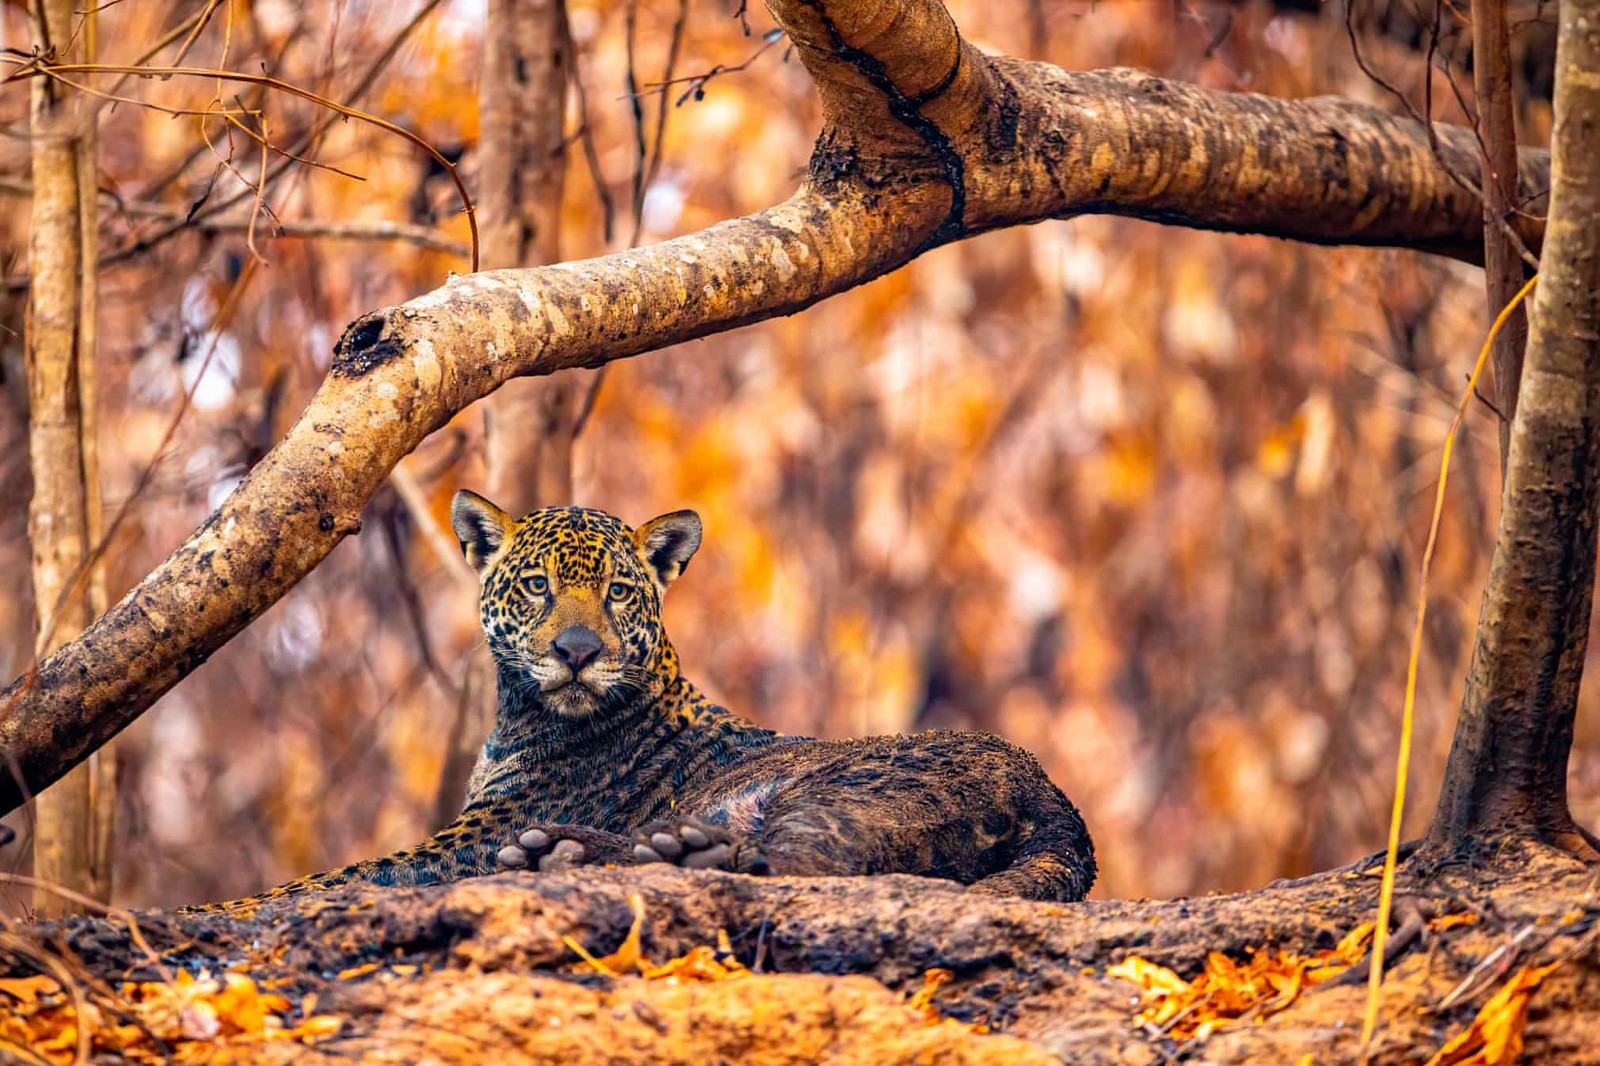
[365,332]
[1001,132]
[363,348]
[907,110]
[1336,164]
[836,161]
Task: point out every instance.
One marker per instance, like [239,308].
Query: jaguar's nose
[576,646]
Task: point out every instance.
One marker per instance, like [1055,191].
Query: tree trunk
[925,141]
[1507,773]
[1503,272]
[60,353]
[522,166]
[528,426]
[103,763]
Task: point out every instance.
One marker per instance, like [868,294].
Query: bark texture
[59,352]
[103,763]
[1508,763]
[926,141]
[1503,271]
[522,169]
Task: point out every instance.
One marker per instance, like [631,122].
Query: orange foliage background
[1145,500]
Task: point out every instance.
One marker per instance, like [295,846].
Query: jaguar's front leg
[550,847]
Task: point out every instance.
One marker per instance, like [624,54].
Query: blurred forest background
[1147,501]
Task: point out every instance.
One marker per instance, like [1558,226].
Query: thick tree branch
[926,141]
[1024,141]
[1323,170]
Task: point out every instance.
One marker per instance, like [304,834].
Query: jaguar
[604,753]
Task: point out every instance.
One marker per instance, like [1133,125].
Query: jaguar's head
[571,600]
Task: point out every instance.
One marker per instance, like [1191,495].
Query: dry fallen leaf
[932,981]
[1148,976]
[703,963]
[27,990]
[1450,921]
[921,1001]
[189,1020]
[1228,990]
[628,957]
[1495,1036]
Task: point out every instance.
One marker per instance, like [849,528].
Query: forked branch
[926,141]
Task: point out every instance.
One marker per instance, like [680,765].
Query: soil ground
[829,970]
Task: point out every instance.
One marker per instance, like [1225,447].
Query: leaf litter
[190,1019]
[704,963]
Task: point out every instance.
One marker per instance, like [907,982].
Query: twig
[415,614]
[1426,122]
[1490,404]
[1499,960]
[585,133]
[658,151]
[63,977]
[200,22]
[106,909]
[697,82]
[590,396]
[38,67]
[416,502]
[296,229]
[305,144]
[636,109]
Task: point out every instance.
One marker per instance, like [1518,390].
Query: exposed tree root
[1491,847]
[1413,929]
[1580,844]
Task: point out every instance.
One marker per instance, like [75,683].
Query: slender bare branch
[300,229]
[1497,126]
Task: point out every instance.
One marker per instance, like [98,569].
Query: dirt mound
[662,965]
[769,1020]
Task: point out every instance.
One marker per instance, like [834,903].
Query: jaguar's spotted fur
[603,752]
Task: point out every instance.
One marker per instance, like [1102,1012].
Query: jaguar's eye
[540,584]
[619,590]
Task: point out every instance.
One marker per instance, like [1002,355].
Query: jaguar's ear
[481,527]
[668,543]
